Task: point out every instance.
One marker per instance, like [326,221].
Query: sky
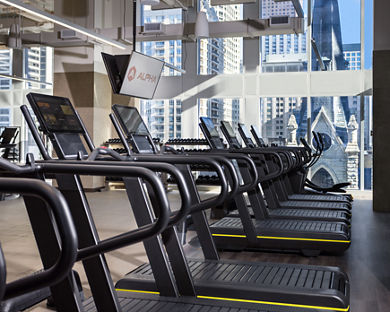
[350,24]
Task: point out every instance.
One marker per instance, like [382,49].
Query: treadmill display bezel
[36,98]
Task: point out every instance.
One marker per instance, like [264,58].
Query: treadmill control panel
[229,134]
[246,136]
[58,119]
[135,128]
[55,114]
[257,136]
[211,133]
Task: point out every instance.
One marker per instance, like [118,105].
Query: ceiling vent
[154,28]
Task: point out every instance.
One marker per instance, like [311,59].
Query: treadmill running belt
[133,302]
[315,205]
[270,282]
[284,225]
[303,214]
[314,197]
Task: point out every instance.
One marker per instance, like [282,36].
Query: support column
[381,108]
[80,75]
[250,109]
[189,106]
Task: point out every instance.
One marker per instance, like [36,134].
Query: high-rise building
[163,117]
[352,55]
[38,65]
[280,53]
[5,68]
[215,56]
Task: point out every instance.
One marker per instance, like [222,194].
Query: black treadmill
[309,237]
[276,194]
[224,279]
[141,294]
[283,213]
[246,137]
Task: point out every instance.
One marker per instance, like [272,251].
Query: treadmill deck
[268,282]
[138,302]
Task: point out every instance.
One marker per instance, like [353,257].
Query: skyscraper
[163,117]
[5,68]
[352,55]
[327,34]
[280,53]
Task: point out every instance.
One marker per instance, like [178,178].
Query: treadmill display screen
[229,129]
[131,120]
[210,126]
[245,130]
[256,131]
[56,114]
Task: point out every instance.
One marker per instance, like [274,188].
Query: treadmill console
[245,135]
[135,128]
[59,121]
[211,133]
[229,134]
[257,136]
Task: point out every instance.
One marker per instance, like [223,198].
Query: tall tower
[327,34]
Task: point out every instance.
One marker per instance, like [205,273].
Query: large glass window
[220,55]
[282,53]
[220,110]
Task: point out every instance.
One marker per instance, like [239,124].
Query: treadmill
[275,191]
[66,296]
[283,213]
[213,276]
[218,290]
[291,196]
[309,237]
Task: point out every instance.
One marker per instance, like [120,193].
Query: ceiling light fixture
[63,22]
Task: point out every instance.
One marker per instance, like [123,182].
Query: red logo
[132,73]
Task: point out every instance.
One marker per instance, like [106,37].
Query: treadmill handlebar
[66,229]
[184,192]
[96,168]
[253,170]
[188,160]
[99,151]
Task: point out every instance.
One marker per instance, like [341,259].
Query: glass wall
[220,55]
[282,53]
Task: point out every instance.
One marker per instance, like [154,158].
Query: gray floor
[367,261]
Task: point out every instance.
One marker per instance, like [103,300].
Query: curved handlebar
[105,152]
[188,160]
[122,240]
[157,166]
[66,229]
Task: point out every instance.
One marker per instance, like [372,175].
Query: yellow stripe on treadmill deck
[276,303]
[287,238]
[138,291]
